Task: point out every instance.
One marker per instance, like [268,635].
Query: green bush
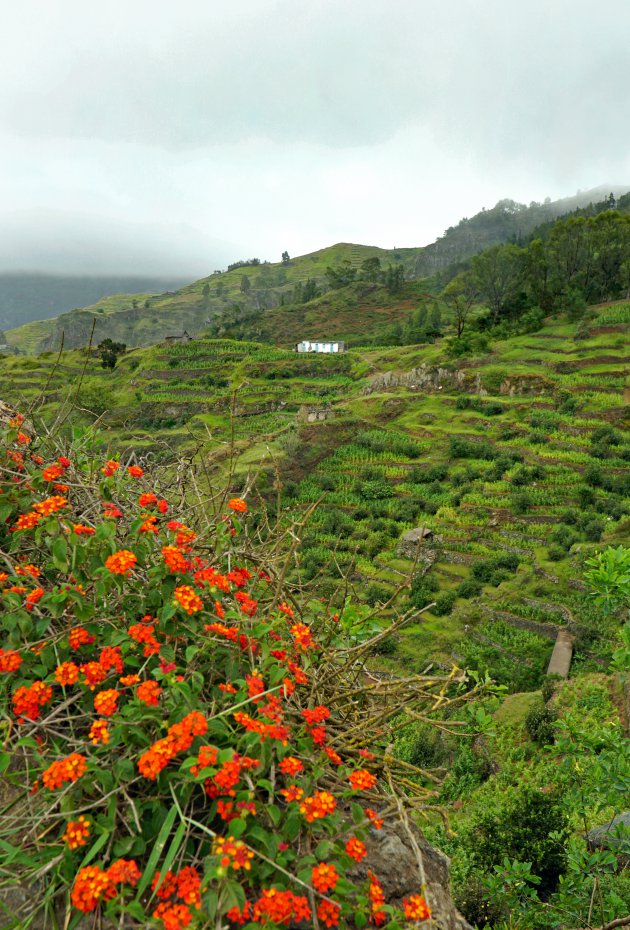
[525,825]
[549,686]
[469,588]
[444,603]
[539,724]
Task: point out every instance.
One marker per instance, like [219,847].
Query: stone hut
[413,539]
[181,337]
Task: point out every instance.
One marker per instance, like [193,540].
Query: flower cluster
[179,738]
[114,641]
[93,884]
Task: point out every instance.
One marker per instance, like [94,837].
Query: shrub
[444,603]
[134,668]
[521,503]
[469,588]
[556,553]
[549,686]
[526,825]
[539,724]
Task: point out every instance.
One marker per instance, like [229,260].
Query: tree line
[580,261]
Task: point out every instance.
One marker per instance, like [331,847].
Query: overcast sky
[176,135]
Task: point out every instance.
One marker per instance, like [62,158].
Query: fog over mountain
[170,138]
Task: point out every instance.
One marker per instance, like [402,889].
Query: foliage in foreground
[187,744]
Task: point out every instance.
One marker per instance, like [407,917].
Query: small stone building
[413,539]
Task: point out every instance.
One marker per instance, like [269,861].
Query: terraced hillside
[144,319]
[516,462]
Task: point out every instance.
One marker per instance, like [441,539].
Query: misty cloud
[281,125]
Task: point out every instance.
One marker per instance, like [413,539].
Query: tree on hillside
[285,258]
[205,291]
[497,273]
[340,275]
[461,294]
[370,269]
[245,285]
[108,351]
[415,331]
[394,278]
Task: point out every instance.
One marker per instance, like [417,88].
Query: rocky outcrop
[398,854]
[425,379]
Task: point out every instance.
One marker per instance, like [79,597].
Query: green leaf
[94,849]
[59,551]
[156,852]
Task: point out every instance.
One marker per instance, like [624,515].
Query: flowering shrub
[189,744]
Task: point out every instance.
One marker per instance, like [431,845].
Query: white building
[307,346]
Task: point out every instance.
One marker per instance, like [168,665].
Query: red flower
[135,471]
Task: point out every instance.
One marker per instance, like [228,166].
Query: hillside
[144,321]
[286,301]
[516,459]
[489,452]
[28,296]
[507,221]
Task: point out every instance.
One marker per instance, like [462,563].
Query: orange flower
[356,849]
[105,702]
[91,886]
[301,633]
[81,530]
[377,899]
[111,510]
[174,559]
[135,471]
[99,732]
[149,525]
[415,908]
[280,907]
[143,633]
[291,766]
[146,500]
[130,680]
[362,780]
[233,853]
[188,598]
[31,599]
[77,833]
[52,472]
[328,912]
[67,674]
[94,673]
[65,770]
[324,877]
[121,562]
[80,637]
[28,569]
[110,467]
[179,738]
[292,793]
[148,692]
[23,439]
[50,505]
[173,916]
[27,521]
[318,806]
[27,701]
[237,504]
[124,872]
[228,688]
[10,660]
